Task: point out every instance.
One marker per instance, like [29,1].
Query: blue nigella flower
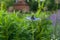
[32,18]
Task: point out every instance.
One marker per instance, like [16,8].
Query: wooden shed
[21,5]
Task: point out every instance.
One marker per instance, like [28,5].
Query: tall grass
[13,26]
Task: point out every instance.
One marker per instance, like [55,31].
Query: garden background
[41,22]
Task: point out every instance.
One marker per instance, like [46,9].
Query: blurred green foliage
[51,5]
[7,3]
[33,5]
[58,6]
[14,26]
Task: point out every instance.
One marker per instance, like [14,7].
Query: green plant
[7,3]
[13,26]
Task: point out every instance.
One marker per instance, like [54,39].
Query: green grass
[13,26]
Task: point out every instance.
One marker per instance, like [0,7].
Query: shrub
[12,27]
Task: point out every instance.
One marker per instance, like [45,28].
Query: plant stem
[32,30]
